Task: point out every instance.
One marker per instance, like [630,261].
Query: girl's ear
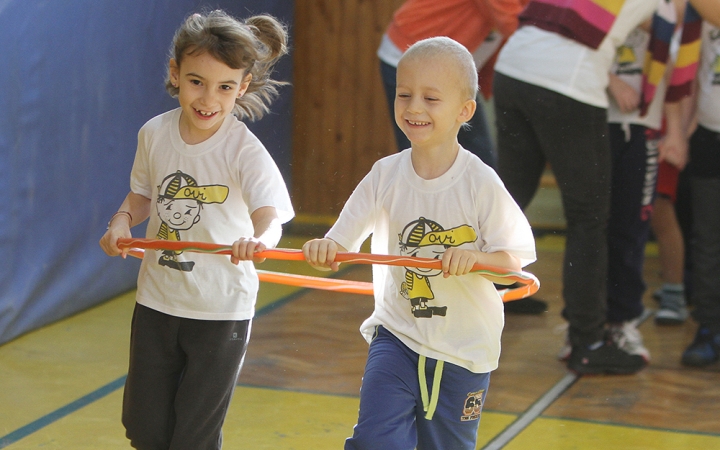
[244,85]
[174,70]
[468,110]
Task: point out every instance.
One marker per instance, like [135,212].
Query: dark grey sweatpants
[181,379]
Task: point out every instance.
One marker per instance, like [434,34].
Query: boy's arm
[321,253]
[134,210]
[457,261]
[268,230]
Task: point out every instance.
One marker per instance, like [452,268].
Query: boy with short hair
[433,339]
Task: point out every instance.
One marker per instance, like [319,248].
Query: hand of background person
[626,97]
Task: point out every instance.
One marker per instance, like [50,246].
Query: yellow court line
[561,434]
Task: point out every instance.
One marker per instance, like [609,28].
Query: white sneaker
[628,338]
[564,353]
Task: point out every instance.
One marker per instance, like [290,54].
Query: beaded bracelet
[115,215]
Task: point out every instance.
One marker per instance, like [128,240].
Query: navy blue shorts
[394,414]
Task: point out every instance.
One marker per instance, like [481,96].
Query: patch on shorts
[473,406]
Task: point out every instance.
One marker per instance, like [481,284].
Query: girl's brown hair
[254,45]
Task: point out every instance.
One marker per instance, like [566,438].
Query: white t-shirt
[457,319]
[709,79]
[204,192]
[563,65]
[628,66]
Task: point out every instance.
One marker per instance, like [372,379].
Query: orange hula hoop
[525,283]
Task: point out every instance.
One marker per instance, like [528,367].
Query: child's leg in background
[705,191]
[181,379]
[671,248]
[634,172]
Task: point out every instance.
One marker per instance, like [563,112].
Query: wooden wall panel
[341,124]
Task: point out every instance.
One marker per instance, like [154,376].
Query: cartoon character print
[179,203]
[626,59]
[427,239]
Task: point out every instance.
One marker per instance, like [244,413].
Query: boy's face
[208,89]
[430,105]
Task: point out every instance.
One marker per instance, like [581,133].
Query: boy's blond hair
[443,50]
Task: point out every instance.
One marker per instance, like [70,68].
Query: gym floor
[61,386]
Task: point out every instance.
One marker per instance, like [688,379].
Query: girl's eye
[225,87]
[196,82]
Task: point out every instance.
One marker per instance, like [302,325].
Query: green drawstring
[429,405]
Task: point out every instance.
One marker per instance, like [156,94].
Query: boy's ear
[468,110]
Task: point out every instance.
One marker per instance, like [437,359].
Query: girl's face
[208,89]
[429,103]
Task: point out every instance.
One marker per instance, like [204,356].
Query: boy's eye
[403,95]
[431,99]
[196,82]
[225,87]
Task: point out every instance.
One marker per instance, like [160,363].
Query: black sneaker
[604,358]
[704,350]
[527,305]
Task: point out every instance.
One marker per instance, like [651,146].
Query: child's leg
[634,173]
[388,397]
[215,352]
[454,424]
[156,365]
[181,379]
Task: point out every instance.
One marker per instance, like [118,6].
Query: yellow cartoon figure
[179,203]
[427,239]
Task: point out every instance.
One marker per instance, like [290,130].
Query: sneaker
[627,338]
[604,358]
[704,350]
[565,350]
[673,309]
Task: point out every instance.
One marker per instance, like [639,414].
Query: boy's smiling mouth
[417,124]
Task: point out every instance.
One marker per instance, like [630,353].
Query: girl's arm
[268,230]
[133,211]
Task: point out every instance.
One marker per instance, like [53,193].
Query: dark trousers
[181,379]
[705,193]
[634,176]
[475,138]
[535,126]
